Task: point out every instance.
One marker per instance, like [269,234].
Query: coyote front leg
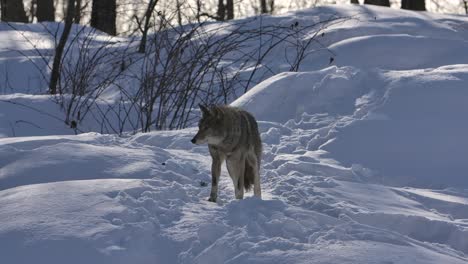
[215,173]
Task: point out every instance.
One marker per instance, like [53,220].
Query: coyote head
[210,128]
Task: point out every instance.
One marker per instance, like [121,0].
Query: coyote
[232,135]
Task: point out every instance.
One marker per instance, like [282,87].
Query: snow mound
[287,95]
[416,136]
[405,126]
[415,52]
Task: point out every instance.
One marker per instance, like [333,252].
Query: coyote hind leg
[236,168]
[256,173]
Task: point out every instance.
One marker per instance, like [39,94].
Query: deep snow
[364,161]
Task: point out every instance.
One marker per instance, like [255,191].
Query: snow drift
[406,126]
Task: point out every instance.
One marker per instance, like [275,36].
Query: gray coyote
[232,135]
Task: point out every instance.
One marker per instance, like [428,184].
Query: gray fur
[232,136]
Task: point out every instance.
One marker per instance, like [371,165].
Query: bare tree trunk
[149,11]
[32,10]
[179,12]
[45,10]
[78,11]
[267,7]
[417,5]
[230,9]
[13,11]
[103,16]
[355,2]
[272,6]
[55,75]
[465,5]
[198,10]
[377,2]
[263,7]
[221,10]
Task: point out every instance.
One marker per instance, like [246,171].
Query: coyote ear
[204,109]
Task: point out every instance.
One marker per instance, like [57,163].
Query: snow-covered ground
[365,161]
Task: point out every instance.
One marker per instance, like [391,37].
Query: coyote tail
[248,175]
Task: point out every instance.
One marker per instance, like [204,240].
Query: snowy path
[165,218]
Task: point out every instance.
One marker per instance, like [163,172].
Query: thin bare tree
[145,27]
[56,66]
[199,7]
[179,12]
